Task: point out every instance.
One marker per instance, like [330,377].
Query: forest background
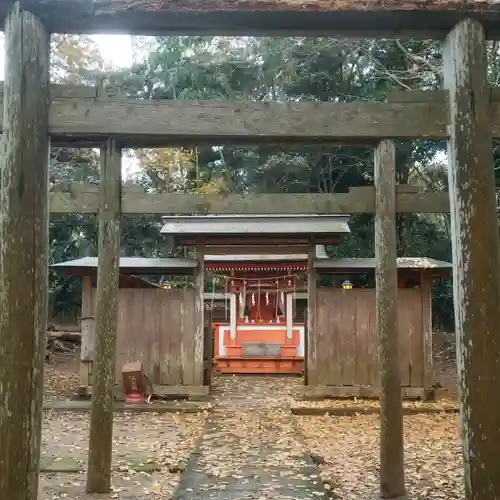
[259,69]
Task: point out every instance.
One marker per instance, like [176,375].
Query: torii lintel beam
[80,117]
[84,198]
[430,19]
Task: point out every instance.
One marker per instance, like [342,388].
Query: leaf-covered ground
[149,453]
[62,376]
[253,447]
[348,451]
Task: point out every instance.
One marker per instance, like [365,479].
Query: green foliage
[286,70]
[72,235]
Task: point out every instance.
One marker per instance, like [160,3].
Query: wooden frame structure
[467,117]
[343,351]
[165,319]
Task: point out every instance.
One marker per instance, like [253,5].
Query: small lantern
[347,285]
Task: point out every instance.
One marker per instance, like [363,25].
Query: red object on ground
[133,398]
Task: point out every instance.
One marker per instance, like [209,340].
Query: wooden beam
[256,250]
[386,284]
[400,18]
[164,122]
[82,116]
[84,198]
[476,252]
[317,393]
[106,318]
[23,252]
[199,311]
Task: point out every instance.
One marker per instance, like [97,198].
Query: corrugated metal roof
[369,263]
[237,225]
[133,265]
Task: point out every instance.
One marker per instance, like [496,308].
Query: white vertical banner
[289,315]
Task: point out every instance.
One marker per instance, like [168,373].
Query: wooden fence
[346,343]
[157,327]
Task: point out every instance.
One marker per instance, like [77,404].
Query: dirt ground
[62,376]
[347,449]
[149,453]
[444,359]
[150,450]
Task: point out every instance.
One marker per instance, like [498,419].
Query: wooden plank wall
[157,327]
[346,342]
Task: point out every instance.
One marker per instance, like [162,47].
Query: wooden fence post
[106,316]
[391,404]
[23,251]
[476,260]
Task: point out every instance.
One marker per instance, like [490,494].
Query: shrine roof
[131,265]
[262,228]
[365,264]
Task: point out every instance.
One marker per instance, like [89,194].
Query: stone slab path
[251,448]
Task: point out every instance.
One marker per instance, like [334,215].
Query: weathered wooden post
[199,339]
[476,270]
[312,282]
[391,404]
[106,315]
[23,251]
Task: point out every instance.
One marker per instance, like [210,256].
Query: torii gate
[466,115]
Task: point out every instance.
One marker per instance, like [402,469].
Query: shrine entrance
[257,266]
[262,335]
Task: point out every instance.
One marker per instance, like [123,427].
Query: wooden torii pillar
[23,251]
[386,274]
[476,251]
[106,319]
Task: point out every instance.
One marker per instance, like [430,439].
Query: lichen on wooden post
[475,244]
[23,251]
[199,339]
[106,316]
[391,404]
